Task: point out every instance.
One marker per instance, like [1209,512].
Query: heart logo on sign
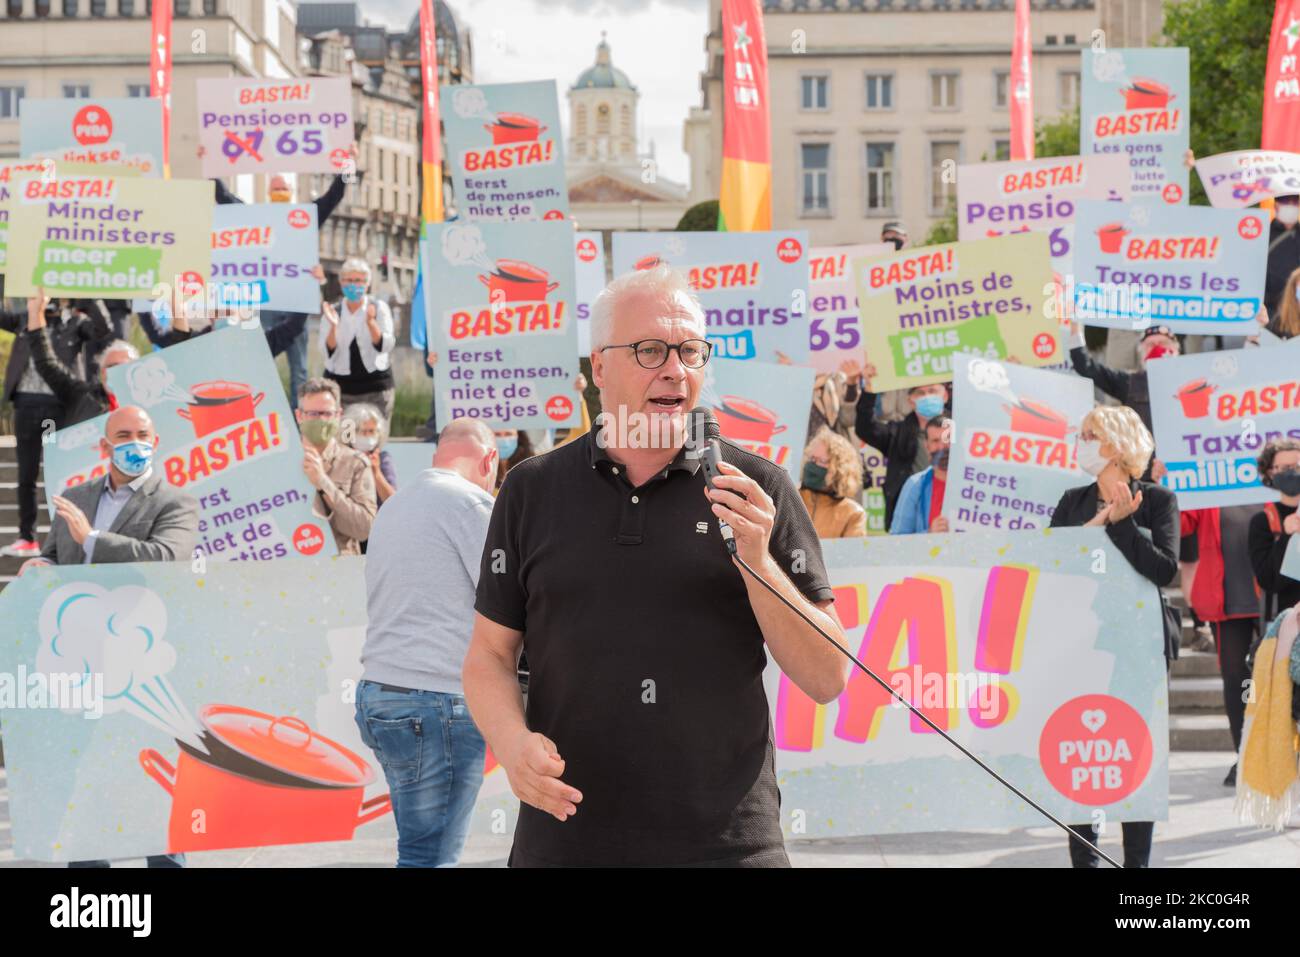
[1093,720]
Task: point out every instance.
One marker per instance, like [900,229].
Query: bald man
[422,567]
[130,515]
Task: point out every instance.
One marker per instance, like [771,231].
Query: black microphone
[704,436]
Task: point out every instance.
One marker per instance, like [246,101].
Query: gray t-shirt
[422,567]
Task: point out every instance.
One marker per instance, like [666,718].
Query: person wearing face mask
[513,446]
[901,442]
[365,430]
[1141,521]
[1283,250]
[1127,388]
[66,329]
[920,504]
[831,481]
[894,233]
[1271,529]
[357,340]
[1284,321]
[343,478]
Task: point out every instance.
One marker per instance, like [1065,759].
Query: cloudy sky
[659,44]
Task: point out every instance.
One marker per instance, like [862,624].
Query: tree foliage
[700,218]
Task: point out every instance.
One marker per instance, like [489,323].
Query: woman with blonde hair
[1141,520]
[1285,321]
[832,478]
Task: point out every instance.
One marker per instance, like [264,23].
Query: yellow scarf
[1267,785]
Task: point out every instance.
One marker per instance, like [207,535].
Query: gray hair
[668,284]
[358,413]
[318,384]
[355,264]
[120,345]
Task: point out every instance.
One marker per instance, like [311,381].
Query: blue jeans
[296,355]
[432,755]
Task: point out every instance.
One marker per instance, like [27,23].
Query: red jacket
[1206,598]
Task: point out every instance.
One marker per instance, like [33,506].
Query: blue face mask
[354,292]
[507,447]
[132,458]
[928,406]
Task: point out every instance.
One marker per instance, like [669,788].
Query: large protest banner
[923,307]
[10,175]
[874,469]
[1243,178]
[505,150]
[133,683]
[762,407]
[1013,444]
[499,303]
[86,237]
[113,137]
[834,326]
[994,199]
[1213,411]
[1192,268]
[249,125]
[1136,103]
[589,276]
[972,630]
[753,286]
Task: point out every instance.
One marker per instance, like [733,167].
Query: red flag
[431,156]
[1282,81]
[160,72]
[745,204]
[1022,87]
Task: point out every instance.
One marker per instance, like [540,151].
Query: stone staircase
[1197,721]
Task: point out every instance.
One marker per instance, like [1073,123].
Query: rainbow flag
[746,201]
[431,157]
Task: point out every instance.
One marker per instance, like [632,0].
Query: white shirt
[352,326]
[111,503]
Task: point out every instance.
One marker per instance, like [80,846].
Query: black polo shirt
[646,659]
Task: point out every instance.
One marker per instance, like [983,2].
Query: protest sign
[1013,444]
[232,443]
[873,484]
[1291,559]
[1136,103]
[834,333]
[1192,268]
[1052,673]
[86,237]
[499,304]
[762,407]
[505,151]
[10,174]
[589,275]
[113,137]
[249,125]
[922,307]
[753,286]
[115,752]
[1212,412]
[1243,178]
[994,199]
[409,459]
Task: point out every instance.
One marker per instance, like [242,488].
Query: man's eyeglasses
[309,414]
[652,353]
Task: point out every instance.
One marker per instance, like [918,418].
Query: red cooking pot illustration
[746,421]
[648,262]
[1145,94]
[1111,237]
[1037,419]
[217,404]
[514,128]
[264,780]
[1195,397]
[518,281]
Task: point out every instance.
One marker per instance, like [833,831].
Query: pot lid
[1147,85]
[517,120]
[517,269]
[747,409]
[286,744]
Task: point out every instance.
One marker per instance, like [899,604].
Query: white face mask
[1288,214]
[365,443]
[1089,457]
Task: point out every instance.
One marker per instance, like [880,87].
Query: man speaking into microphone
[647,739]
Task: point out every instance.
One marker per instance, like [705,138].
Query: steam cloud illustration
[470,103]
[989,376]
[464,246]
[150,382]
[77,436]
[89,630]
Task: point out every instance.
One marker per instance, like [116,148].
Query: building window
[815,172]
[1002,150]
[182,8]
[1001,84]
[14,9]
[10,97]
[625,119]
[602,119]
[70,8]
[98,8]
[1067,89]
[42,8]
[580,122]
[210,7]
[943,91]
[126,8]
[880,91]
[1071,40]
[1051,39]
[944,156]
[76,91]
[137,91]
[813,91]
[880,178]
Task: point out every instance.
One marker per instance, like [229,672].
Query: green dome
[604,74]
